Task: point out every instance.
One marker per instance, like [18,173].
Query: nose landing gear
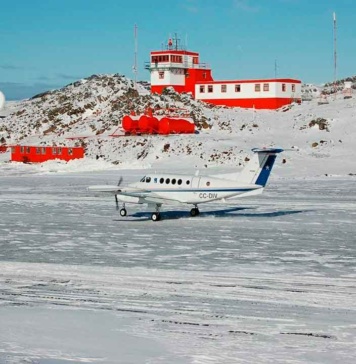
[156,216]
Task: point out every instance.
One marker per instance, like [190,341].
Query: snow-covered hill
[91,109]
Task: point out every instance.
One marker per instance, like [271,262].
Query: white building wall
[248,91]
[288,93]
[171,77]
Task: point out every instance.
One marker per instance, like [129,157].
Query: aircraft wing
[254,192]
[144,195]
[160,200]
[105,189]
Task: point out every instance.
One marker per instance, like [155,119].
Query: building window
[54,151]
[176,59]
[195,60]
[210,88]
[223,88]
[59,151]
[237,88]
[161,75]
[204,75]
[257,87]
[43,150]
[38,150]
[266,87]
[70,151]
[201,89]
[28,150]
[293,88]
[284,88]
[22,150]
[13,150]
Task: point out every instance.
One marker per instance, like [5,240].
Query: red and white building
[182,70]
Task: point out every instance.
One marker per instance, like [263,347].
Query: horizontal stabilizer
[268,150]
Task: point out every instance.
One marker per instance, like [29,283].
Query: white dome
[2,100]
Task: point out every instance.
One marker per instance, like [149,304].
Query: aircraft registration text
[205,195]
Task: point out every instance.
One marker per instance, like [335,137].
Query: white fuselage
[183,189]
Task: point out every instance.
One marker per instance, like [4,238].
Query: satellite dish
[2,100]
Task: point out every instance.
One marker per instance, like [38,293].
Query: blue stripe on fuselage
[197,190]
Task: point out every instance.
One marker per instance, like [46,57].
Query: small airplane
[157,189]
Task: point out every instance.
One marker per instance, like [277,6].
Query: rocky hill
[88,111]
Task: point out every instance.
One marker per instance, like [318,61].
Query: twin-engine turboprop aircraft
[157,189]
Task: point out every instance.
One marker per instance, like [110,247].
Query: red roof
[175,52]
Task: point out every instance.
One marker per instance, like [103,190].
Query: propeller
[117,203]
[116,200]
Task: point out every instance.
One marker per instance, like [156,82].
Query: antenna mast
[134,68]
[335,53]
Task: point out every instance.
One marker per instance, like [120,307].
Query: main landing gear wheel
[123,212]
[156,216]
[194,212]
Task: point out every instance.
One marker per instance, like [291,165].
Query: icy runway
[269,279]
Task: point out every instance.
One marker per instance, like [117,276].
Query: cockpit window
[148,179]
[143,179]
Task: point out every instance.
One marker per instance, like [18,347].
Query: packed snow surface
[269,279]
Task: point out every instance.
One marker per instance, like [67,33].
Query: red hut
[33,154]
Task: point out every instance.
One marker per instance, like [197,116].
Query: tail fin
[259,167]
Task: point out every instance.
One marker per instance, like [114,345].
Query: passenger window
[148,179]
[161,180]
[188,182]
[167,180]
[179,181]
[174,181]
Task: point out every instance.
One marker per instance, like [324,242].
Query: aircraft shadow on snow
[223,213]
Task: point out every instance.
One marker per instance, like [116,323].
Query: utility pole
[335,54]
[134,68]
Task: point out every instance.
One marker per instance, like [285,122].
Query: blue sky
[46,44]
